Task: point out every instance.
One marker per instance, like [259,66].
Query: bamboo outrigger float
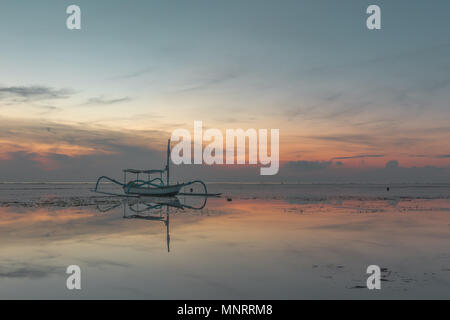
[153,187]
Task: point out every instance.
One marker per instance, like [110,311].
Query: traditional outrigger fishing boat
[152,186]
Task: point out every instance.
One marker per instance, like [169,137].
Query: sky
[350,103]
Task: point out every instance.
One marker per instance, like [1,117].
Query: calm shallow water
[271,241]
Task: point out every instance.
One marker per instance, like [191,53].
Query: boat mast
[168,160]
[167,230]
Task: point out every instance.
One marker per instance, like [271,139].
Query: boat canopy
[136,171]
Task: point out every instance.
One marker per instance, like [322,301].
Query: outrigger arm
[151,187]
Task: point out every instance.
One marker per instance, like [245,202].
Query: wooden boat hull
[165,191]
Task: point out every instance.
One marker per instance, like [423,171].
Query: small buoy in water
[229,199]
[388,188]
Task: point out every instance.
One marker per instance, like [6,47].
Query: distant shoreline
[255,183]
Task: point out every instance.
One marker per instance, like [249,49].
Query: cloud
[211,80]
[33,93]
[24,166]
[379,140]
[359,139]
[46,109]
[25,270]
[418,156]
[292,113]
[103,101]
[360,156]
[29,133]
[44,150]
[41,150]
[335,172]
[393,164]
[308,165]
[437,85]
[134,74]
[99,263]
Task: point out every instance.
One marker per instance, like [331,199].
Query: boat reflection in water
[156,208]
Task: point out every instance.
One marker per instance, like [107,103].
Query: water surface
[269,242]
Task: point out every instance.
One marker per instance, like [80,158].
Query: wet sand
[254,247]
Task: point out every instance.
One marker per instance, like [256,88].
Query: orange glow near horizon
[42,149]
[288,152]
[293,147]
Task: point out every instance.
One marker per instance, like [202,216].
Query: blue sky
[311,68]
